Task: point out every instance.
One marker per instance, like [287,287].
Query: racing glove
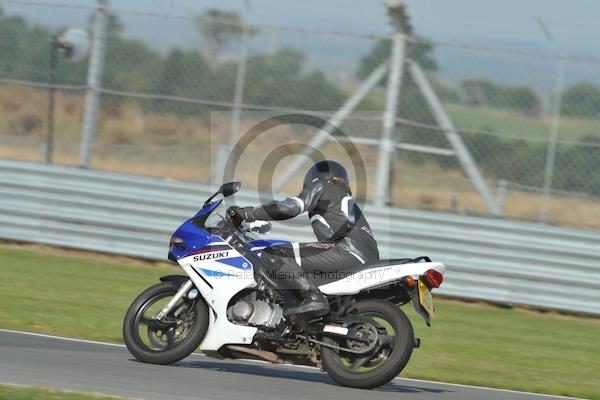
[247,215]
[242,213]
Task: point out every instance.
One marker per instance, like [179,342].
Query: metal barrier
[488,259]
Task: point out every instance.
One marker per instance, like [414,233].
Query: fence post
[387,144]
[238,95]
[49,148]
[552,139]
[501,194]
[94,82]
[240,81]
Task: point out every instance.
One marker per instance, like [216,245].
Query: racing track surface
[31,359]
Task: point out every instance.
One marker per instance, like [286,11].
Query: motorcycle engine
[256,313]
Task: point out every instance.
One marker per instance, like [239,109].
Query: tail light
[434,278]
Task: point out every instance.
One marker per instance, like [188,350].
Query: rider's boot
[313,303]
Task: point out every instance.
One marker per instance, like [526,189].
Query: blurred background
[497,119]
[471,130]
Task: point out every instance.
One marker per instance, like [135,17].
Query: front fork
[180,293]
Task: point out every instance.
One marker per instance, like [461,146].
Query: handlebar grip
[234,215]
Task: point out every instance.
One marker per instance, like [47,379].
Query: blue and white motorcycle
[227,305]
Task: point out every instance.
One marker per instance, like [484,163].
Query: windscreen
[216,216]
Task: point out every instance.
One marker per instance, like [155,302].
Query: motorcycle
[228,305]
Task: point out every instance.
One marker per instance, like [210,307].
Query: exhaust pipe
[264,355]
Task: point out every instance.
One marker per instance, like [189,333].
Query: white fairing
[226,282]
[374,277]
[221,274]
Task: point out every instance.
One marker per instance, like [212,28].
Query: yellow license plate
[425,299]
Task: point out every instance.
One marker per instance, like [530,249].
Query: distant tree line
[277,79]
[581,100]
[577,167]
[282,79]
[578,100]
[516,98]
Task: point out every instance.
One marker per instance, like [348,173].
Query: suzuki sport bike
[228,305]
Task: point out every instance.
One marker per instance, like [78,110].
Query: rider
[344,236]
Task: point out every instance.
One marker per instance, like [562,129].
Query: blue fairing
[260,244]
[194,237]
[209,208]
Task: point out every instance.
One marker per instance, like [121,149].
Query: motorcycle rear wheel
[157,342]
[380,366]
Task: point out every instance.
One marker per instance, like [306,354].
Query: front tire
[380,366]
[156,342]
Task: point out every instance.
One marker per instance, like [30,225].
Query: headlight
[177,242]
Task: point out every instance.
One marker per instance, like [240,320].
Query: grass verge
[86,296]
[9,392]
[83,296]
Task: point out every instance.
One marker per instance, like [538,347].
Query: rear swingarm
[368,349]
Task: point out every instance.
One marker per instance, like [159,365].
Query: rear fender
[372,279]
[377,277]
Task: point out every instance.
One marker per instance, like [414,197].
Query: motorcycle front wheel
[173,338]
[389,335]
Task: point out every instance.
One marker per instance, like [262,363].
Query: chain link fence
[167,112]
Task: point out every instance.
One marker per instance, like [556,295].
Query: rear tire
[390,364]
[175,351]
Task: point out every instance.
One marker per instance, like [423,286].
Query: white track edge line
[292,365]
[555,396]
[62,338]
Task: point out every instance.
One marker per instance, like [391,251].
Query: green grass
[518,349]
[515,124]
[8,392]
[87,295]
[69,295]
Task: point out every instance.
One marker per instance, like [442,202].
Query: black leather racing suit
[343,233]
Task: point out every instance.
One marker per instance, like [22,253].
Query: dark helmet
[326,170]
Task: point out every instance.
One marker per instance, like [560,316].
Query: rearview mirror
[227,189]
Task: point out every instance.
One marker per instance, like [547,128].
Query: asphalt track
[31,359]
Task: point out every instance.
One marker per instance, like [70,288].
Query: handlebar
[234,216]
